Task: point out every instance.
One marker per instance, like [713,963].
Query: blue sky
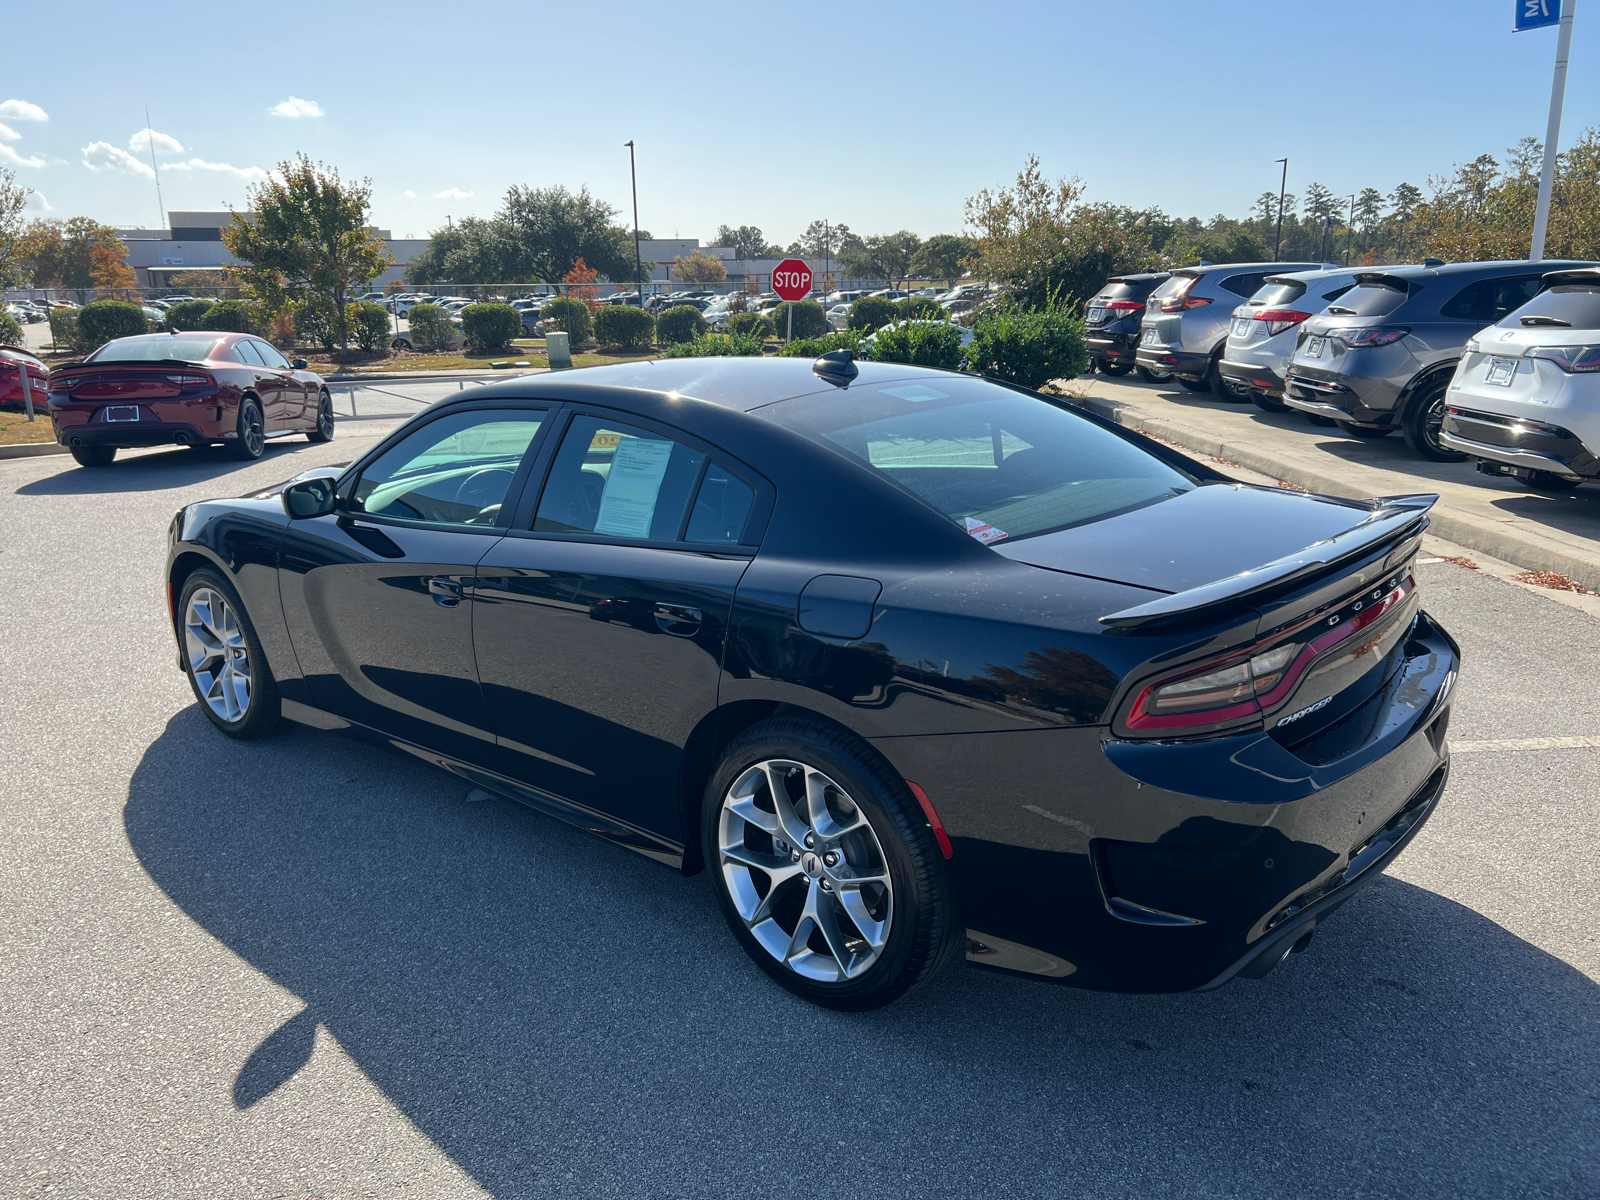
[879,115]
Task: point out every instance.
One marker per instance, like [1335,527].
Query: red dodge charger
[188,389]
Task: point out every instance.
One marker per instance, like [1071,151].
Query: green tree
[306,237]
[820,240]
[747,242]
[471,250]
[943,256]
[1321,204]
[1369,209]
[888,255]
[1526,157]
[699,267]
[62,253]
[13,199]
[547,230]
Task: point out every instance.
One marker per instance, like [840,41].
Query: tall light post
[1350,229]
[638,256]
[1283,184]
[1558,88]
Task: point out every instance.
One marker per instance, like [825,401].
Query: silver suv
[1185,325]
[1262,336]
[1380,357]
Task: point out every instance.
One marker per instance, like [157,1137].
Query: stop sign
[791,279]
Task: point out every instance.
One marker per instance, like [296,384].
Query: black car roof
[740,384]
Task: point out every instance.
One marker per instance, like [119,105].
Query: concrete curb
[32,450]
[435,376]
[1528,551]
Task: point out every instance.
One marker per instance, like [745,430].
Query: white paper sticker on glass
[628,504]
[984,531]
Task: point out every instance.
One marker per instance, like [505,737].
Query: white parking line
[1544,743]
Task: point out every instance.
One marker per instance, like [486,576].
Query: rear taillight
[1247,682]
[1374,335]
[1122,308]
[1279,319]
[1574,360]
[1179,299]
[192,383]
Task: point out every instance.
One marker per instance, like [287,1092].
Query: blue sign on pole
[1536,14]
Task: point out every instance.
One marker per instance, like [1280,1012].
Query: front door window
[453,471]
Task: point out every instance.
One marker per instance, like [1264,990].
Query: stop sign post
[791,279]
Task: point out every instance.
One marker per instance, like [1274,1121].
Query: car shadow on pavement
[562,1016]
[160,470]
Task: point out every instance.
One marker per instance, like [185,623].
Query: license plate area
[1501,371]
[1241,327]
[1314,347]
[122,412]
[1150,337]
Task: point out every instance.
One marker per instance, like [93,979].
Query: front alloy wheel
[216,654]
[324,430]
[805,870]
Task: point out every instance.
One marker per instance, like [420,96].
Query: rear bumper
[1255,375]
[1517,444]
[1163,867]
[1364,400]
[1118,347]
[1179,362]
[87,425]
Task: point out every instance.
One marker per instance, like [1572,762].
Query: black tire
[1546,481]
[923,930]
[1225,388]
[251,439]
[1150,375]
[1422,420]
[1362,431]
[1196,385]
[94,456]
[1107,367]
[324,430]
[262,713]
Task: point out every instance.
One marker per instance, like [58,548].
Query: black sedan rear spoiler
[1392,519]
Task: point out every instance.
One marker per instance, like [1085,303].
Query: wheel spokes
[218,654]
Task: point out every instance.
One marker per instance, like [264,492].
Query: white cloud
[296,107]
[8,155]
[8,134]
[140,142]
[410,195]
[200,164]
[453,194]
[37,203]
[21,110]
[103,156]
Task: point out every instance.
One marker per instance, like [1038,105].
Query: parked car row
[1487,360]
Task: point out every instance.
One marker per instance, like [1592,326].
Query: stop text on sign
[791,279]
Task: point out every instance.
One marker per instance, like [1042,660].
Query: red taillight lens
[1374,335]
[1178,299]
[1279,319]
[1123,307]
[192,383]
[1247,682]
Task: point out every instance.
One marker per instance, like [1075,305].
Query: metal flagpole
[638,259]
[1552,134]
[1284,183]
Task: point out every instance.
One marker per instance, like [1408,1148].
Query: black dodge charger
[912,663]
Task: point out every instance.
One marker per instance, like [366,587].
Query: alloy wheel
[216,653]
[325,416]
[251,431]
[805,870]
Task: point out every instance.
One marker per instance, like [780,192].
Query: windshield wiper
[1547,321]
[1342,311]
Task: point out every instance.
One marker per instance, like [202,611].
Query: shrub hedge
[623,325]
[752,324]
[490,326]
[919,308]
[558,311]
[186,315]
[1027,348]
[313,322]
[717,345]
[870,312]
[681,323]
[106,320]
[809,319]
[919,343]
[369,324]
[431,328]
[10,329]
[231,316]
[847,339]
[64,333]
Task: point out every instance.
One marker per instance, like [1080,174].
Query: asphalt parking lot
[308,967]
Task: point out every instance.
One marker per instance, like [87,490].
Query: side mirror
[310,498]
[298,364]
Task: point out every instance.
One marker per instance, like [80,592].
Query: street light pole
[638,257]
[1558,89]
[1350,229]
[1277,242]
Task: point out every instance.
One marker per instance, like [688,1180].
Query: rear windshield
[1170,285]
[190,348]
[1274,295]
[1120,289]
[19,356]
[1572,304]
[1372,299]
[999,464]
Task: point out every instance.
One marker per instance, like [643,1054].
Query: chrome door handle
[446,592]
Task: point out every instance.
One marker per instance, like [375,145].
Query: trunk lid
[128,383]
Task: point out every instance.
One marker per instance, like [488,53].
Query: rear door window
[618,480]
[246,353]
[270,356]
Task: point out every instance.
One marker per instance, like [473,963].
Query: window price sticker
[983,531]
